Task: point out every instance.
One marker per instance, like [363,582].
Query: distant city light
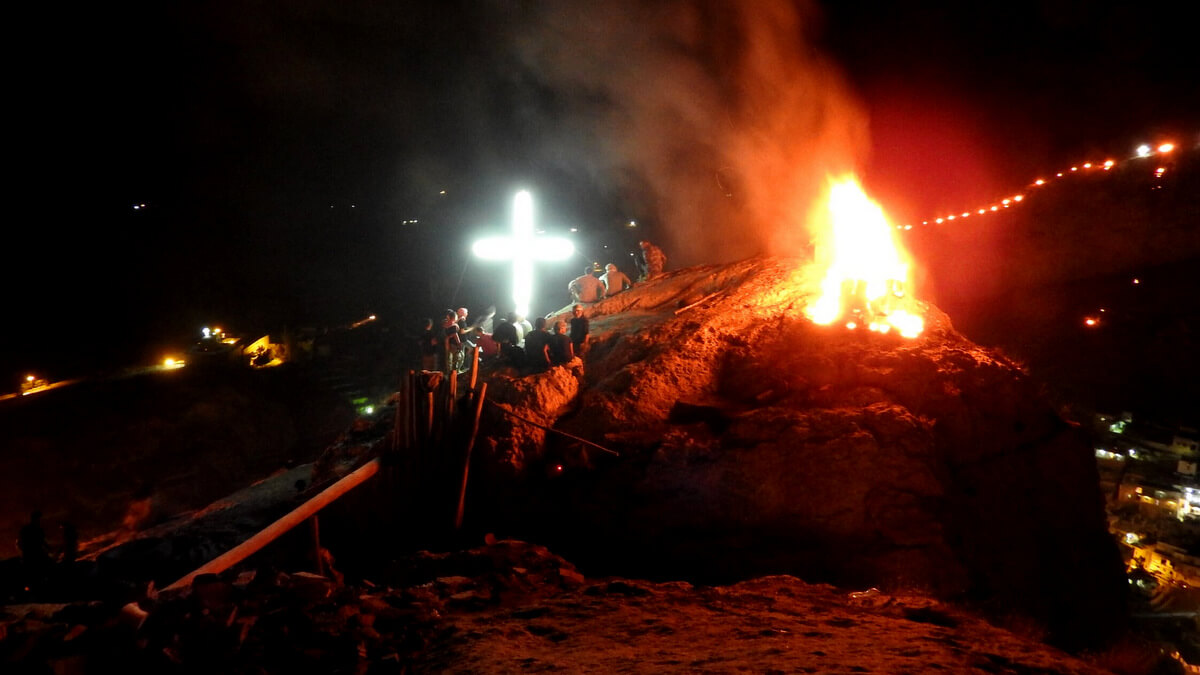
[1166,147]
[206,331]
[1143,151]
[1136,281]
[30,378]
[1039,182]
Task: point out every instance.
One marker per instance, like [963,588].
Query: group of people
[513,341]
[589,288]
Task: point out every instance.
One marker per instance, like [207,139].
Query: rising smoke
[720,118]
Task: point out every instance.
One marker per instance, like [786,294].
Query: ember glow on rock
[866,273]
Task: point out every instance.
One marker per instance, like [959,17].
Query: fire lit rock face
[754,441]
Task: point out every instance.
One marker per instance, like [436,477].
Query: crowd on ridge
[513,341]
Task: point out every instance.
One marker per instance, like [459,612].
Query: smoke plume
[719,118]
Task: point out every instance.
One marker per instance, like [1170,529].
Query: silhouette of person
[35,553]
[561,350]
[70,544]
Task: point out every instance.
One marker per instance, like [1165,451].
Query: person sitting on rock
[586,287]
[561,350]
[614,280]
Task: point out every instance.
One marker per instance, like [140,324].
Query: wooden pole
[474,366]
[452,396]
[316,538]
[462,491]
[276,529]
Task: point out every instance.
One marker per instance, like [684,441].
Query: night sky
[280,148]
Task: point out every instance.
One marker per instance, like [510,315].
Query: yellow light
[1074,168]
[1166,147]
[1137,281]
[1059,174]
[30,378]
[1039,182]
[851,325]
[168,362]
[1108,164]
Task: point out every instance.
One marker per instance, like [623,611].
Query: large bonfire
[868,277]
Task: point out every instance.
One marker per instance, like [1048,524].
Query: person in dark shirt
[579,329]
[537,346]
[35,552]
[429,344]
[561,351]
[451,343]
[506,333]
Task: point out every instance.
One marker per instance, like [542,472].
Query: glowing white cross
[522,248]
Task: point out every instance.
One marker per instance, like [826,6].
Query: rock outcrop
[754,442]
[512,607]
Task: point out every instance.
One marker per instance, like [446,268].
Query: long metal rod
[553,430]
[280,527]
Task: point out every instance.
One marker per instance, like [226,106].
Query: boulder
[753,441]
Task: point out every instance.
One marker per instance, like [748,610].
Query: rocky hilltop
[754,442]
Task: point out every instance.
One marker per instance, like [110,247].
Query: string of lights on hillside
[1143,152]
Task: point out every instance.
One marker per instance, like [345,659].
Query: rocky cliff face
[753,441]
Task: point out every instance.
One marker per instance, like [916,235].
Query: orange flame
[867,273]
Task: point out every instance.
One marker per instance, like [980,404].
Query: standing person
[506,333]
[524,325]
[451,343]
[561,351]
[428,345]
[579,329]
[35,552]
[614,280]
[586,287]
[537,346]
[653,260]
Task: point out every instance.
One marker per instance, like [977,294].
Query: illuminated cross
[522,248]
